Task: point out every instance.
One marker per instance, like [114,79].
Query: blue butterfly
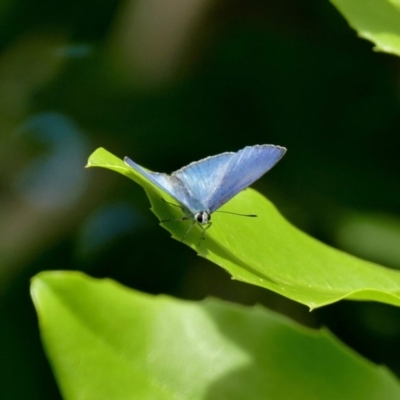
[202,187]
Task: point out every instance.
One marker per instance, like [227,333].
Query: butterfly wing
[202,178]
[245,167]
[165,182]
[207,184]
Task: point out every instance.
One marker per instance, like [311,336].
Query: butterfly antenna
[177,219]
[171,204]
[241,215]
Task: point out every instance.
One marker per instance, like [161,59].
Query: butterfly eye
[199,217]
[203,217]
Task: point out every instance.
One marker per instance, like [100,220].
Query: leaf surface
[268,251]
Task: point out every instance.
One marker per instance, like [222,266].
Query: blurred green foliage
[106,341]
[377,21]
[167,86]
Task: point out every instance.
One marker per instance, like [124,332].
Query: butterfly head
[202,217]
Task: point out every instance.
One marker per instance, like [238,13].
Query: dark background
[167,83]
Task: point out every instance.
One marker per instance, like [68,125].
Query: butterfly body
[202,187]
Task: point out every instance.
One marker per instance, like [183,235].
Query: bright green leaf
[374,20]
[105,341]
[268,251]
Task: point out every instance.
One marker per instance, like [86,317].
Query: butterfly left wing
[165,182]
[245,167]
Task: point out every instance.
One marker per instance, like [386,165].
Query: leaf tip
[93,155]
[36,287]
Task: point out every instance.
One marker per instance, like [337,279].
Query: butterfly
[202,187]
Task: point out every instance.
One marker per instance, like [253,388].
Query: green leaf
[376,20]
[107,342]
[268,251]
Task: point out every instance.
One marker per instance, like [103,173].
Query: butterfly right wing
[245,167]
[165,182]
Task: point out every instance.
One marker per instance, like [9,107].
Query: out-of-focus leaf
[375,20]
[106,342]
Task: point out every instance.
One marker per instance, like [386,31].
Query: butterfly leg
[203,234]
[187,232]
